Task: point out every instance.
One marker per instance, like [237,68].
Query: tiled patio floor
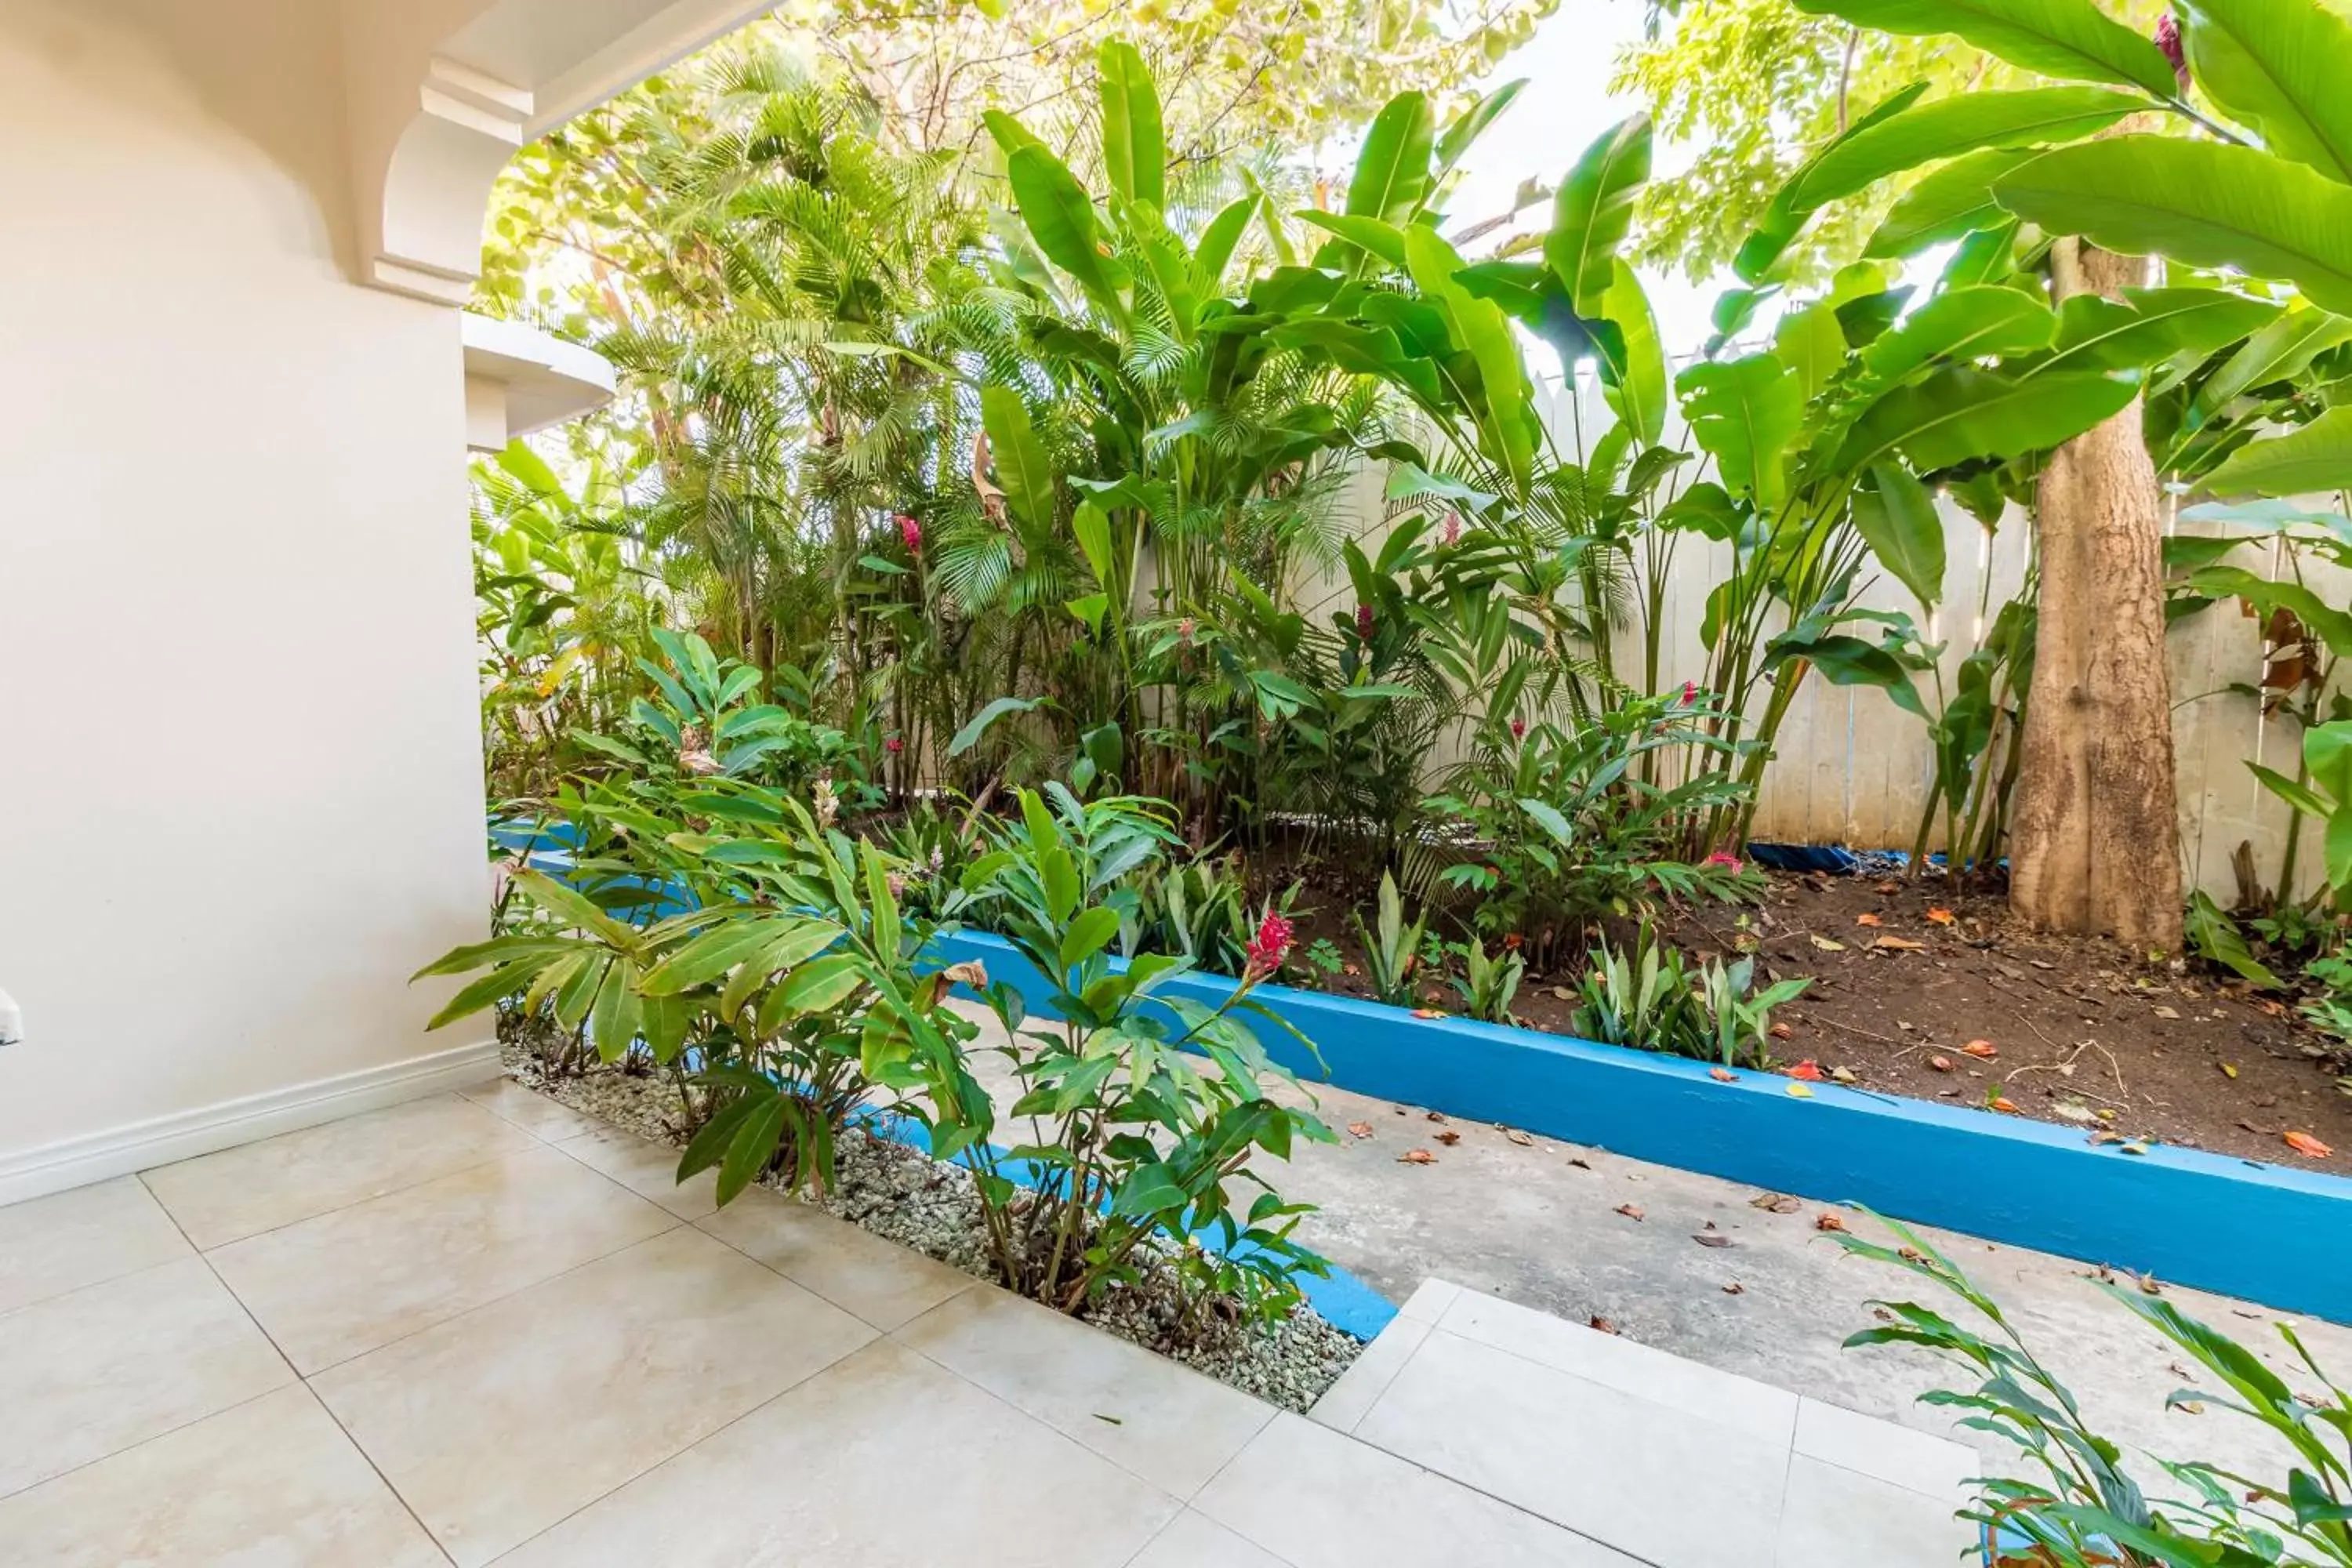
[482,1328]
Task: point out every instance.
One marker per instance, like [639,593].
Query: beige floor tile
[1368,1377]
[1837,1519]
[270,1484]
[1607,1464]
[539,1115]
[1140,1411]
[884,1283]
[1918,1461]
[1196,1540]
[496,1425]
[67,1240]
[85,1375]
[241,1192]
[1166,1422]
[1316,1499]
[647,1168]
[884,1461]
[343,1283]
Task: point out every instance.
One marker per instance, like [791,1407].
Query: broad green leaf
[1472,123]
[1217,241]
[1502,402]
[1134,150]
[1965,122]
[1384,240]
[2327,757]
[754,1144]
[1947,203]
[969,736]
[2316,457]
[1090,526]
[1149,1189]
[1745,412]
[2278,351]
[1061,218]
[2204,203]
[1897,518]
[1594,210]
[527,466]
[1021,463]
[1634,384]
[1845,660]
[1785,219]
[1985,321]
[1959,413]
[2331,626]
[1549,819]
[818,984]
[2149,326]
[1392,171]
[1089,934]
[2068,39]
[1010,133]
[1810,342]
[2277,66]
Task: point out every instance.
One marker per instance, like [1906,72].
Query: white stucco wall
[240,791]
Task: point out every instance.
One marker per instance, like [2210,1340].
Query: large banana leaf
[1635,384]
[2277,66]
[1392,171]
[2317,457]
[1744,413]
[1061,218]
[1961,413]
[1501,403]
[1785,219]
[1134,147]
[1472,123]
[2205,203]
[1595,209]
[2149,326]
[1021,463]
[1897,518]
[1929,132]
[1983,322]
[2278,351]
[2063,38]
[1947,203]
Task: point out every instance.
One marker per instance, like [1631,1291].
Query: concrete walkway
[484,1329]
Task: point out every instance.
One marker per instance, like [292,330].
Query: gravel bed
[918,1202]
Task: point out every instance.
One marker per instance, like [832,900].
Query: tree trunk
[2095,845]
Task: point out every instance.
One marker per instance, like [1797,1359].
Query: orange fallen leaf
[1723,1075]
[1781,1032]
[2005,1105]
[1734,1288]
[1808,1070]
[1866,920]
[1776,1203]
[1898,944]
[2305,1144]
[1521,1139]
[1603,1324]
[1983,1050]
[1360,1129]
[1941,1064]
[1828,1222]
[1427,1013]
[1631,1211]
[1449,1138]
[1416,1157]
[1941,917]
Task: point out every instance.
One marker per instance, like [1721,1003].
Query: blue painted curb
[2238,1228]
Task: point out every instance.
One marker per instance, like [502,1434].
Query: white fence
[1851,768]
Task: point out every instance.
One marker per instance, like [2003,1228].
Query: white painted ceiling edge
[519,379]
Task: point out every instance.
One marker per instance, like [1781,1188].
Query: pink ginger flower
[1518,729]
[1452,533]
[1271,945]
[1363,623]
[894,745]
[912,532]
[2168,39]
[1728,862]
[1185,629]
[1690,693]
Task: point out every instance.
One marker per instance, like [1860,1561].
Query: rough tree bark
[2094,839]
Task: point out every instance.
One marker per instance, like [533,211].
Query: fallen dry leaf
[2004,1104]
[1712,1238]
[1940,916]
[1416,1157]
[1826,944]
[1436,1116]
[1885,888]
[1781,1032]
[1603,1324]
[2103,1136]
[1809,1070]
[1828,1222]
[1866,920]
[2167,1012]
[1734,1288]
[1800,1090]
[1632,1211]
[2228,1070]
[1521,1139]
[1449,1138]
[1778,1202]
[1941,1064]
[1427,1013]
[1723,1075]
[2305,1144]
[1844,1075]
[2148,1285]
[1983,1050]
[1886,943]
[1580,1162]
[1360,1129]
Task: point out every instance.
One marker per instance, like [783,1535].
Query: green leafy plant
[2078,1506]
[1147,1109]
[1488,985]
[1648,996]
[1391,949]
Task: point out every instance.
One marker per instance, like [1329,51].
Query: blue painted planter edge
[2229,1225]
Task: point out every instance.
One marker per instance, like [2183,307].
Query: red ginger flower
[1271,945]
[1363,623]
[1518,729]
[894,745]
[912,532]
[1690,693]
[2168,39]
[1728,862]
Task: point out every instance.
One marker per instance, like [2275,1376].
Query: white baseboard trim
[95,1156]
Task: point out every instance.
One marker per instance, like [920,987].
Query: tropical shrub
[1489,983]
[2077,1506]
[1146,1109]
[1648,996]
[1391,949]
